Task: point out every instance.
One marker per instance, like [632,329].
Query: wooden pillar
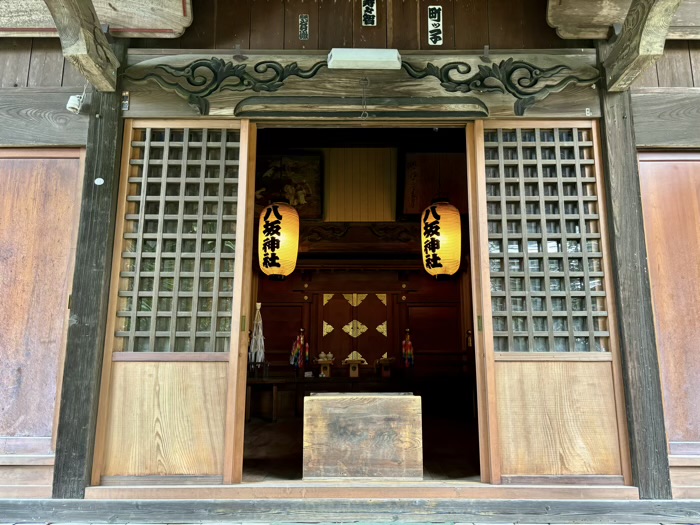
[89,298]
[645,414]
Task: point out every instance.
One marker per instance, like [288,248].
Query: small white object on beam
[346,58]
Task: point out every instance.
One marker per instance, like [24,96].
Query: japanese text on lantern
[435,25]
[272,230]
[431,235]
[369,12]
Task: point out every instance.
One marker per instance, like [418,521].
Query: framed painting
[295,179]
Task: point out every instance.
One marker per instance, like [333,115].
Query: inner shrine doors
[355,322]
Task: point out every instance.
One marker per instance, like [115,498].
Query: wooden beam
[641,43]
[89,298]
[39,118]
[640,363]
[666,117]
[83,42]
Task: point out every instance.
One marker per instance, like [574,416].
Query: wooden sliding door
[551,394]
[39,212]
[171,407]
[670,184]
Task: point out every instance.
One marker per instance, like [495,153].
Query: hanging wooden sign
[125,18]
[369,13]
[435,25]
[303,27]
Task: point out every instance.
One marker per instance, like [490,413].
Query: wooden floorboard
[343,511]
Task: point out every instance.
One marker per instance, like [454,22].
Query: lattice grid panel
[178,249]
[546,265]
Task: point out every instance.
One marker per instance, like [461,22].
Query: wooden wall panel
[233,24]
[166,419]
[202,32]
[674,67]
[474,15]
[671,203]
[360,184]
[292,10]
[38,117]
[15,54]
[267,24]
[666,117]
[334,23]
[46,63]
[505,24]
[38,227]
[694,48]
[404,30]
[679,67]
[557,418]
[435,328]
[372,37]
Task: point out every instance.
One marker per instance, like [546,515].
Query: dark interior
[380,263]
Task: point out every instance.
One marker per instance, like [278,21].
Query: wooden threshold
[363,490]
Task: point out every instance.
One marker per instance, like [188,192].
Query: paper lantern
[278,241]
[441,239]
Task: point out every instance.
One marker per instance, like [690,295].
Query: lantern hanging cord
[365,84]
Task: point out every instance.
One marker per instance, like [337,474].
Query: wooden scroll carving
[471,85]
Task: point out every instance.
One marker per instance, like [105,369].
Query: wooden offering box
[363,436]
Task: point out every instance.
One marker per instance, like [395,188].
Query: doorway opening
[358,286]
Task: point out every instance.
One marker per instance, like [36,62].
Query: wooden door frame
[481,306]
[243,303]
[485,379]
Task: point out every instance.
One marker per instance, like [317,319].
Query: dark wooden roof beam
[641,43]
[84,43]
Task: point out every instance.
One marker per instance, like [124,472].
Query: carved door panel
[337,314]
[355,321]
[371,313]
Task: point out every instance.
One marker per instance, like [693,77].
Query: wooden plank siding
[273,24]
[679,67]
[35,62]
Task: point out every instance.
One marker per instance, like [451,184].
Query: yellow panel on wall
[166,419]
[557,418]
[360,184]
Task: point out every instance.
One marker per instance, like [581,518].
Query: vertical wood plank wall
[360,184]
[274,24]
[679,67]
[39,189]
[34,63]
[670,184]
